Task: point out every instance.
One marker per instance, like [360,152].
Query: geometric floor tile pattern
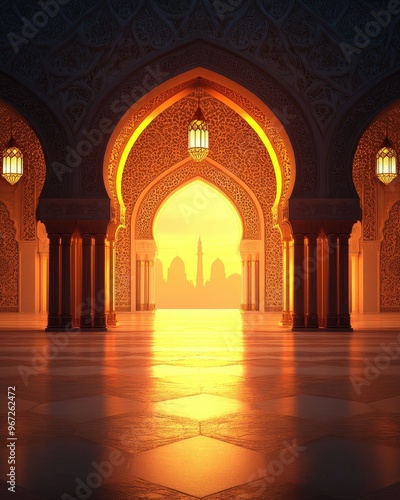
[389,405]
[181,405]
[189,465]
[201,406]
[91,408]
[317,407]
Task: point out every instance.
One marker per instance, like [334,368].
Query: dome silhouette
[177,264]
[176,271]
[217,270]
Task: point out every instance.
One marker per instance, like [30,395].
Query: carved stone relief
[8,263]
[300,41]
[390,262]
[233,144]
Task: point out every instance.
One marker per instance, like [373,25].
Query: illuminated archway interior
[153,169]
[197,232]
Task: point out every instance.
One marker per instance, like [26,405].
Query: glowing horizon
[198,210]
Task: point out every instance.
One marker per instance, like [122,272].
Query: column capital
[311,239]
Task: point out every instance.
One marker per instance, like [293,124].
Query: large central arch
[135,225]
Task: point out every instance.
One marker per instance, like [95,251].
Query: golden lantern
[13,159]
[198,136]
[386,169]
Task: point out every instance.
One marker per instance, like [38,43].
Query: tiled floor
[180,405]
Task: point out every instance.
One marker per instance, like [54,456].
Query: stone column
[312,316]
[253,283]
[66,314]
[298,281]
[141,272]
[286,314]
[54,320]
[332,316]
[245,286]
[152,299]
[111,318]
[86,307]
[100,319]
[344,313]
[43,281]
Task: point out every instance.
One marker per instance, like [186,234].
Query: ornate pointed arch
[219,177]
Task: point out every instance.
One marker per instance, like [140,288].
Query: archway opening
[250,160]
[197,232]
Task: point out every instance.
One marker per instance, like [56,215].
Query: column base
[53,321]
[66,320]
[100,322]
[298,321]
[86,322]
[312,321]
[344,321]
[112,319]
[331,321]
[286,319]
[66,329]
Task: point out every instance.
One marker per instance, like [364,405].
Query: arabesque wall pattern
[235,146]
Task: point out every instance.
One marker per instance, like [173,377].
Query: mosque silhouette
[177,292]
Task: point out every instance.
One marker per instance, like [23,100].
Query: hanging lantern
[12,161]
[198,136]
[386,169]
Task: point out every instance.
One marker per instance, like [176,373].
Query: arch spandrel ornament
[273,130]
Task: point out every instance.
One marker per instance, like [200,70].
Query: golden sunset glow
[195,211]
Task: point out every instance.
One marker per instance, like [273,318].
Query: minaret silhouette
[199,277]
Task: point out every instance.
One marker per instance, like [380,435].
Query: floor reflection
[204,403]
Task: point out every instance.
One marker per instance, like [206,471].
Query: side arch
[51,134]
[350,130]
